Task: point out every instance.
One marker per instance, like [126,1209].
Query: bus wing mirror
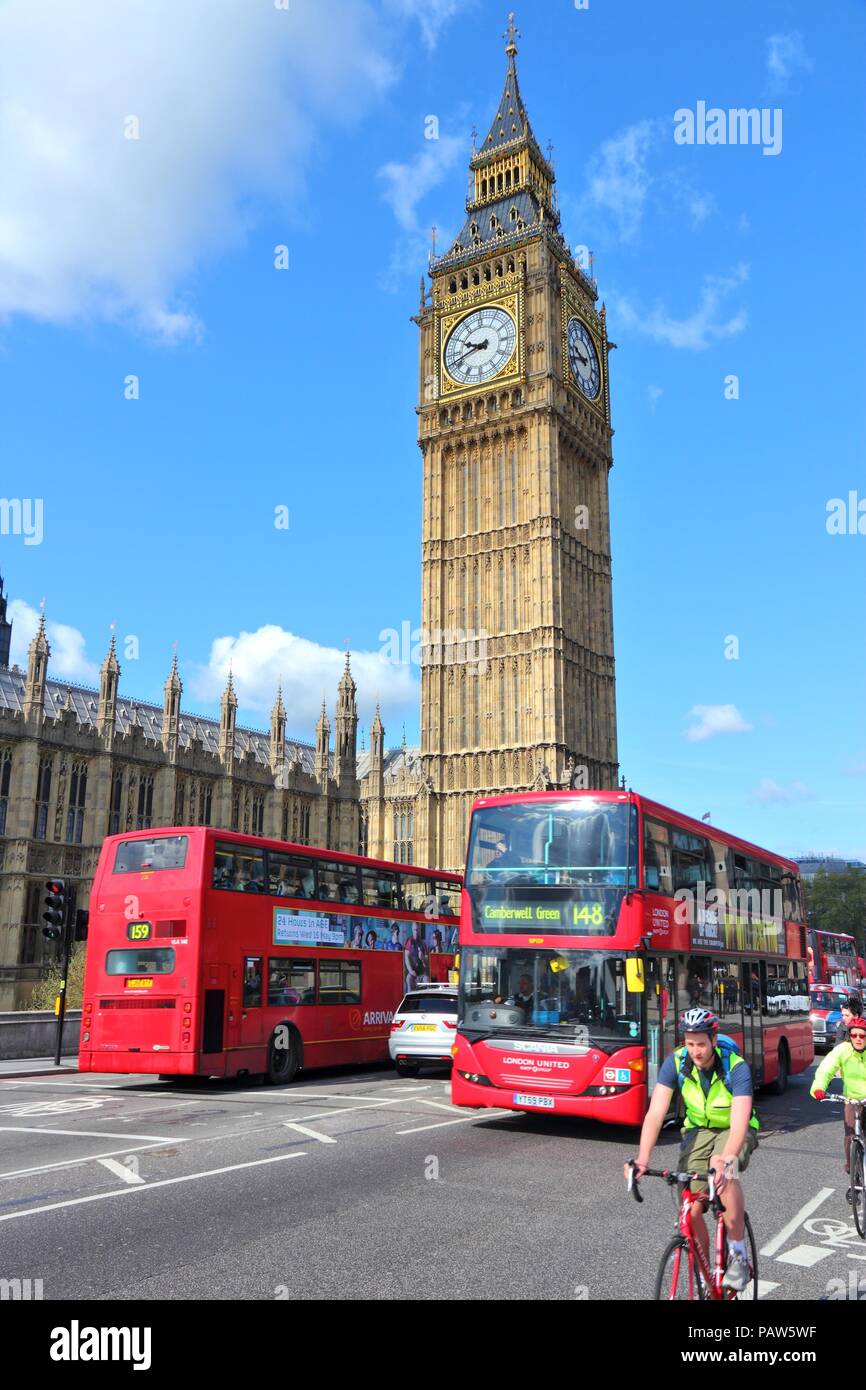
[634,976]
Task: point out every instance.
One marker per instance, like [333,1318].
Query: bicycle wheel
[677,1278]
[858,1189]
[750,1292]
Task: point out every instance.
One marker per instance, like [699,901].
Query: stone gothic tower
[517,682]
[171,693]
[109,679]
[37,671]
[346,729]
[5,629]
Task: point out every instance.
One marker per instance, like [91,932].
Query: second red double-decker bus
[217,954]
[590,920]
[832,958]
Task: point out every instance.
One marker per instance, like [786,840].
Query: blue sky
[260,388]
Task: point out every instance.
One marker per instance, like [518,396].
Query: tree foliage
[837,902]
[45,992]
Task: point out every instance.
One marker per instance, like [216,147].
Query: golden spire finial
[511,34]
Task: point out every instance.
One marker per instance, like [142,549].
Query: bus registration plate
[545,1102]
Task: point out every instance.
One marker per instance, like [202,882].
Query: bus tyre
[407,1068]
[284,1056]
[780,1085]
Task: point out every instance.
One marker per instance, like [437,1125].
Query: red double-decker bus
[833,958]
[590,920]
[184,976]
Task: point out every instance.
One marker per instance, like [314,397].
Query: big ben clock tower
[517,681]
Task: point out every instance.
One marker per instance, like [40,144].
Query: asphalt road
[360,1185]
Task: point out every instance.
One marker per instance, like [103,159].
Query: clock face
[480,346]
[583,359]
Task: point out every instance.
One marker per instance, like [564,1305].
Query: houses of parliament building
[517,665]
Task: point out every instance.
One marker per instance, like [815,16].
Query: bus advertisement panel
[589,921]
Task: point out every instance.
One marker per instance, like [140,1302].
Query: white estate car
[424,1028]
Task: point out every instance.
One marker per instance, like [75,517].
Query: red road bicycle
[684,1272]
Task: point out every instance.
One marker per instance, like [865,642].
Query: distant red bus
[832,958]
[185,977]
[589,921]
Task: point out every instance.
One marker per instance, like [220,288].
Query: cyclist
[720,1129]
[848,1060]
[853,1005]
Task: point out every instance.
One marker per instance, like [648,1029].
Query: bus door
[252,985]
[214,1035]
[753,1044]
[661,1012]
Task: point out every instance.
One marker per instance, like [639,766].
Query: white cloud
[309,673]
[786,54]
[67,661]
[709,720]
[407,184]
[231,99]
[618,180]
[769,791]
[432,15]
[705,325]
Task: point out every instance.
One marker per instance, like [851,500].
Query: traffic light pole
[68,929]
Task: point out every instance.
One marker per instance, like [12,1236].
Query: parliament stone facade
[517,665]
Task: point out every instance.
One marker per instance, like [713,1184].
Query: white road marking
[20,1108]
[120,1170]
[313,1134]
[70,1162]
[148,1186]
[804,1255]
[439,1104]
[89,1134]
[404,1090]
[464,1119]
[765,1286]
[802,1215]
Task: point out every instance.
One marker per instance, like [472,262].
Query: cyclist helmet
[699,1021]
[857,1022]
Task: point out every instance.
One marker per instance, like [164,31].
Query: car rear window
[429,1004]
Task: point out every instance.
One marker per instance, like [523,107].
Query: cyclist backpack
[725,1045]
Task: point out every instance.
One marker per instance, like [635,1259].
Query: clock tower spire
[517,680]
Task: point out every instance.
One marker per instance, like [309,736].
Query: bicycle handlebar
[841,1100]
[671,1177]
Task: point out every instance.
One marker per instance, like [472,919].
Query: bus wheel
[284,1056]
[780,1085]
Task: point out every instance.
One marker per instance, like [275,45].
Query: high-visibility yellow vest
[713,1110]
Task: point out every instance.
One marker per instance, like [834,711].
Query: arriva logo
[373,1018]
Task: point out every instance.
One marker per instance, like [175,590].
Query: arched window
[452,286]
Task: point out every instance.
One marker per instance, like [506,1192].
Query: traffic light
[55,909]
[81,919]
